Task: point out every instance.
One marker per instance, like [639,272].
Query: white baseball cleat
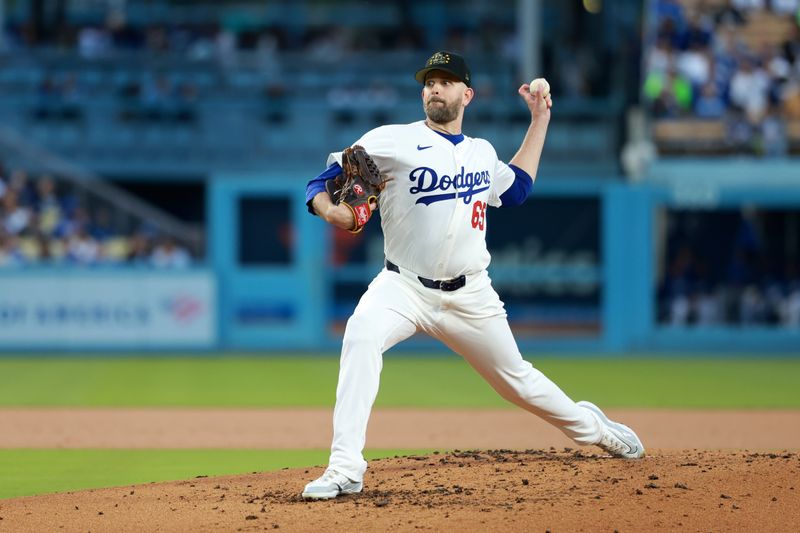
[618,439]
[330,485]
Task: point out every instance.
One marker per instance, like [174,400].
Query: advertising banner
[107,309]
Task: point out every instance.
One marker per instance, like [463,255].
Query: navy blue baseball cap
[448,62]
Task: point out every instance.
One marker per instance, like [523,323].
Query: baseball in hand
[540,83]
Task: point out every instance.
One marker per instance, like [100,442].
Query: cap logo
[447,61]
[438,58]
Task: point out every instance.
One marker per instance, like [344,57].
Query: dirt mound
[533,490]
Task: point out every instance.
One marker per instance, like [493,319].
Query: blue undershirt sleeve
[317,185]
[519,190]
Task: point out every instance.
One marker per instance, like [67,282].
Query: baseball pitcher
[434,185]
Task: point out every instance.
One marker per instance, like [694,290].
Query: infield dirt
[501,490]
[555,489]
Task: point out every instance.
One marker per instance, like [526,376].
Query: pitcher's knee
[361,333]
[519,387]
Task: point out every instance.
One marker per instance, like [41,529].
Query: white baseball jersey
[433,211]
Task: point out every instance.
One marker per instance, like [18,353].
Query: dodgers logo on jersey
[465,184]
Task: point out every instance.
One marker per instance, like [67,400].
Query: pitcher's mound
[497,490]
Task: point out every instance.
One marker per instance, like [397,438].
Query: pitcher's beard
[442,114]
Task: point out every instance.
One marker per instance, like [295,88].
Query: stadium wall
[270,284]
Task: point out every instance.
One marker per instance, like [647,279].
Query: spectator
[16,218]
[680,310]
[185,103]
[699,30]
[156,39]
[791,47]
[726,48]
[778,70]
[677,286]
[10,254]
[157,98]
[267,52]
[46,96]
[82,248]
[752,306]
[93,42]
[70,98]
[791,309]
[723,269]
[709,104]
[139,249]
[48,205]
[729,15]
[671,17]
[660,56]
[202,47]
[669,93]
[330,45]
[123,36]
[343,101]
[774,300]
[669,9]
[276,103]
[101,227]
[76,221]
[773,138]
[695,64]
[19,184]
[576,71]
[708,308]
[750,90]
[169,255]
[379,98]
[46,250]
[225,48]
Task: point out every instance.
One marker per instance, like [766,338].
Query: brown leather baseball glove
[359,184]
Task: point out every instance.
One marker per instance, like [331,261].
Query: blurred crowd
[702,65]
[687,299]
[732,276]
[216,40]
[60,97]
[574,61]
[151,95]
[43,221]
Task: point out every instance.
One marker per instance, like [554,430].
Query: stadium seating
[679,136]
[761,36]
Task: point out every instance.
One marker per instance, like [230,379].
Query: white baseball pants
[472,322]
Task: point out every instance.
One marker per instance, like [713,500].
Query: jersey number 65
[479,215]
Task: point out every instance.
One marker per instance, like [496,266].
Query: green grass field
[440,381]
[31,472]
[308,381]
